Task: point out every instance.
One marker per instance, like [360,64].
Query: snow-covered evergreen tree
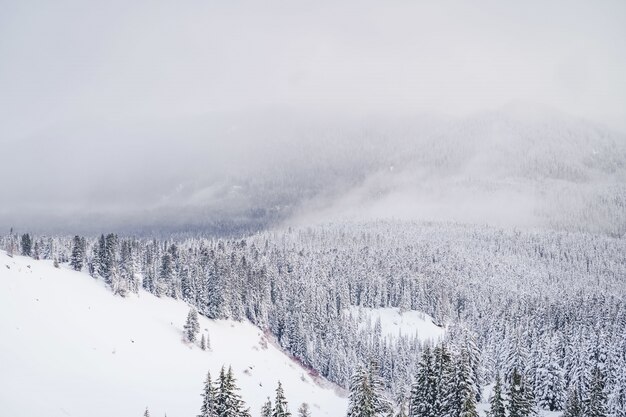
[596,404]
[367,398]
[496,402]
[209,399]
[573,406]
[266,410]
[192,326]
[26,244]
[228,402]
[520,404]
[78,253]
[281,408]
[423,391]
[304,410]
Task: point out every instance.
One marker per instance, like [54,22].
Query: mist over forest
[233,173]
[231,118]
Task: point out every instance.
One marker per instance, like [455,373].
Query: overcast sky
[80,80]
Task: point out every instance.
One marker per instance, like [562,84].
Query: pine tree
[423,391]
[266,410]
[466,386]
[497,403]
[78,253]
[519,403]
[203,343]
[11,244]
[209,394]
[27,244]
[573,407]
[549,382]
[128,277]
[473,355]
[228,402]
[445,379]
[596,405]
[146,413]
[280,403]
[192,326]
[37,250]
[361,395]
[304,410]
[366,394]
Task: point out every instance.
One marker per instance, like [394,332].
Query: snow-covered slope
[68,347]
[394,322]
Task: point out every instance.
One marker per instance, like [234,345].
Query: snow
[69,347]
[483,406]
[394,322]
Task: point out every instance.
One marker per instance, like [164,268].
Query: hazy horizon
[155,115]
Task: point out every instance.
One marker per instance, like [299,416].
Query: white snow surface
[394,322]
[69,347]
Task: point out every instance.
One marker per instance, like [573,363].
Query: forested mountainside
[86,353]
[546,309]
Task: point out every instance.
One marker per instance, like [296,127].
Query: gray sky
[144,86]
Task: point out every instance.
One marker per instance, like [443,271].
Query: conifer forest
[353,208]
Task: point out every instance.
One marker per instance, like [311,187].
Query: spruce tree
[361,395]
[266,410]
[27,244]
[549,382]
[466,386]
[423,392]
[146,413]
[444,377]
[192,326]
[596,405]
[228,402]
[573,406]
[519,399]
[497,403]
[280,403]
[366,394]
[304,410]
[78,253]
[209,394]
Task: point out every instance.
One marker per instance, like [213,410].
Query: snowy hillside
[394,322]
[68,347]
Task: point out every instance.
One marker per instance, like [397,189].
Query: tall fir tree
[520,404]
[367,398]
[192,326]
[423,392]
[466,385]
[496,401]
[27,244]
[266,410]
[573,406]
[281,408]
[209,398]
[78,253]
[228,402]
[549,384]
[596,405]
[444,376]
